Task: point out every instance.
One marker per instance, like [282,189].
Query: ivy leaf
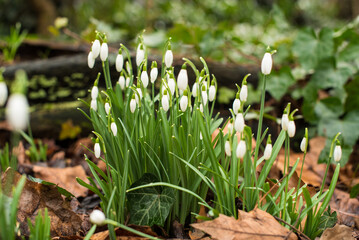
[280,82]
[330,107]
[327,220]
[355,191]
[151,205]
[352,89]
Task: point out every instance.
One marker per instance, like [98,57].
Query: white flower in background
[172,85]
[227,148]
[104,52]
[128,81]
[184,103]
[94,104]
[241,149]
[140,55]
[138,98]
[119,62]
[114,128]
[122,82]
[204,96]
[303,145]
[90,60]
[239,123]
[144,78]
[236,105]
[182,80]
[243,93]
[133,104]
[291,128]
[211,93]
[96,48]
[201,107]
[97,217]
[3,93]
[194,89]
[17,111]
[165,101]
[285,121]
[154,72]
[94,92]
[200,136]
[337,154]
[168,57]
[107,108]
[266,65]
[97,149]
[230,127]
[267,151]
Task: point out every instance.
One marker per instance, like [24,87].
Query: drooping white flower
[94,92]
[194,89]
[17,111]
[3,93]
[243,93]
[171,85]
[337,154]
[239,123]
[97,217]
[285,121]
[303,145]
[144,78]
[119,62]
[90,60]
[104,52]
[154,74]
[267,151]
[204,96]
[184,103]
[122,82]
[241,149]
[211,93]
[227,148]
[236,105]
[96,48]
[182,80]
[140,55]
[97,149]
[107,108]
[94,104]
[133,105]
[230,127]
[165,102]
[201,107]
[291,128]
[168,58]
[266,65]
[114,128]
[138,98]
[128,81]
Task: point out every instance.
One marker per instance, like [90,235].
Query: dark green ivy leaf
[327,220]
[278,84]
[151,205]
[355,191]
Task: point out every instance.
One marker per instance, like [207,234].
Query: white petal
[284,122]
[337,153]
[236,105]
[243,93]
[227,149]
[140,56]
[96,48]
[107,108]
[204,98]
[119,62]
[114,128]
[90,60]
[168,58]
[94,92]
[182,80]
[266,65]
[291,129]
[104,52]
[97,150]
[184,103]
[303,144]
[138,98]
[241,149]
[239,123]
[133,105]
[122,82]
[94,104]
[97,217]
[212,93]
[165,103]
[144,79]
[3,93]
[194,89]
[172,85]
[154,74]
[17,111]
[267,151]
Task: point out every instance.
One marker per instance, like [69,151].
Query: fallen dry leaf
[125,235]
[346,207]
[36,196]
[255,225]
[338,232]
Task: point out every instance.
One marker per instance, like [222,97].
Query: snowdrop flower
[239,123]
[241,149]
[94,92]
[266,65]
[133,104]
[90,60]
[244,93]
[303,144]
[107,108]
[128,81]
[140,54]
[285,121]
[119,61]
[97,149]
[3,92]
[211,93]
[138,96]
[144,78]
[200,136]
[104,52]
[97,217]
[227,148]
[154,72]
[337,154]
[96,48]
[182,80]
[194,89]
[201,107]
[204,96]
[17,111]
[122,81]
[236,104]
[165,101]
[268,149]
[230,127]
[171,85]
[291,128]
[184,101]
[168,57]
[114,128]
[94,104]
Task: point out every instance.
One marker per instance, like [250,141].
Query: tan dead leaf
[254,225]
[346,207]
[64,177]
[36,196]
[338,232]
[125,235]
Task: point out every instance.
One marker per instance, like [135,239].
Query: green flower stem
[261,112]
[116,224]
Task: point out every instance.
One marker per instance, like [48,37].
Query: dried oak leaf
[36,196]
[255,225]
[338,232]
[125,235]
[346,207]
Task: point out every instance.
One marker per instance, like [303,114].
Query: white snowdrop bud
[144,79]
[241,149]
[236,105]
[172,85]
[243,93]
[94,104]
[114,128]
[154,74]
[94,92]
[200,136]
[201,107]
[90,60]
[104,52]
[168,58]
[3,93]
[96,48]
[122,82]
[119,62]
[194,89]
[97,217]
[204,96]
[239,123]
[291,128]
[267,151]
[107,108]
[140,55]
[133,105]
[211,93]
[285,121]
[165,102]
[97,149]
[138,98]
[184,103]
[182,80]
[17,111]
[303,144]
[128,81]
[227,149]
[266,65]
[230,128]
[337,153]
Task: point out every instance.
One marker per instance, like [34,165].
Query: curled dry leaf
[255,225]
[338,232]
[35,197]
[346,207]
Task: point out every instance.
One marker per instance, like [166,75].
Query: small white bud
[154,74]
[138,98]
[168,58]
[3,93]
[97,150]
[194,89]
[122,82]
[94,104]
[204,98]
[144,79]
[107,108]
[17,111]
[337,153]
[184,103]
[267,151]
[241,149]
[201,107]
[165,102]
[96,48]
[133,105]
[227,149]
[90,60]
[140,55]
[182,80]
[212,93]
[119,62]
[172,85]
[230,128]
[266,65]
[303,144]
[291,128]
[104,52]
[97,217]
[243,93]
[239,123]
[200,136]
[128,81]
[284,122]
[114,128]
[94,92]
[236,105]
